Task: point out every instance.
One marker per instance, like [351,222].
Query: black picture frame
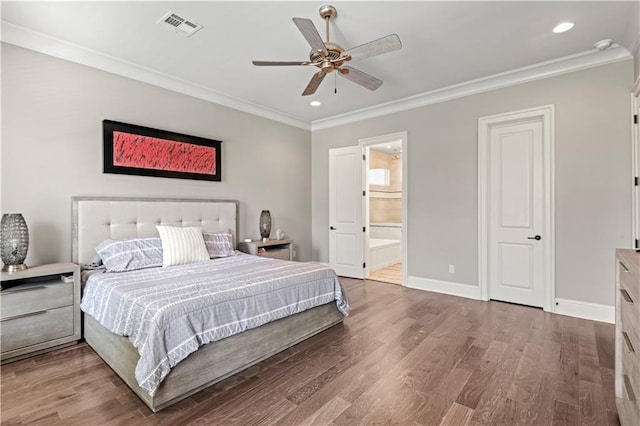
[172,141]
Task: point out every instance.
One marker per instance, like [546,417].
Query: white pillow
[182,245]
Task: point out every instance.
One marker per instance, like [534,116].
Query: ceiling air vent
[179,24]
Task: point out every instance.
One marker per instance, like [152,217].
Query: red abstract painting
[146,152]
[130,149]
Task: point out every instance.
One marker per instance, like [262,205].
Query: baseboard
[445,287]
[586,310]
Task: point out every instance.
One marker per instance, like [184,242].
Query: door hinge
[635,181]
[364,193]
[364,157]
[364,228]
[635,118]
[364,265]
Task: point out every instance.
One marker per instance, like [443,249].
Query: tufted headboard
[96,219]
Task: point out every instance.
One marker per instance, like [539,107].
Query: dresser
[275,249]
[627,368]
[40,310]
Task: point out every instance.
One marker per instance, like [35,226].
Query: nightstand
[275,249]
[40,310]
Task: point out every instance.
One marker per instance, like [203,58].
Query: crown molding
[567,64]
[29,39]
[39,42]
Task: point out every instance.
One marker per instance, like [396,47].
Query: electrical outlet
[295,254]
[452,269]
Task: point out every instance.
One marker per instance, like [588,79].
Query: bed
[96,219]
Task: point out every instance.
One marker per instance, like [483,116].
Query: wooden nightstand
[40,310]
[275,249]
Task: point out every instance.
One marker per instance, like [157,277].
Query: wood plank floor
[403,356]
[391,274]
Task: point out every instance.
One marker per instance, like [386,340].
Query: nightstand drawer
[35,297]
[282,254]
[629,281]
[36,327]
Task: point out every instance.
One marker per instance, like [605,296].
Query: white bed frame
[98,218]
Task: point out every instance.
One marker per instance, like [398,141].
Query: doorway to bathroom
[385,217]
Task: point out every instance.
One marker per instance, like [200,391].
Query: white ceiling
[444,43]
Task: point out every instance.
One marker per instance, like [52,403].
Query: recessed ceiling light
[562,27]
[315,103]
[388,146]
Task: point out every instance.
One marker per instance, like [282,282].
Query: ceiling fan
[330,57]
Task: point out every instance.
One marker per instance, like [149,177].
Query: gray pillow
[219,244]
[130,255]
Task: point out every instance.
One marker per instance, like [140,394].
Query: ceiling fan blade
[314,83]
[361,78]
[376,47]
[310,33]
[276,63]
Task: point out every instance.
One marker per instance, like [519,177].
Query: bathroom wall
[385,202]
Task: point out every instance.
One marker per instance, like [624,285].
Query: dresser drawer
[36,327]
[35,297]
[629,280]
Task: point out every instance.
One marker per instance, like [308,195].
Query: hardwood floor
[403,356]
[391,274]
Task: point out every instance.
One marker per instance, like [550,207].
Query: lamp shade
[15,242]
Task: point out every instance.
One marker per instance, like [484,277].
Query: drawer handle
[22,290]
[626,296]
[629,389]
[30,314]
[627,341]
[625,268]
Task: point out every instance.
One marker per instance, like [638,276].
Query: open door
[346,208]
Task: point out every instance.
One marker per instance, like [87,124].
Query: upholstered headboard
[96,219]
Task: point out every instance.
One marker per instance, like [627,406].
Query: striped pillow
[182,245]
[220,244]
[130,255]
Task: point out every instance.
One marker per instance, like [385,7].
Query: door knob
[537,237]
[332,228]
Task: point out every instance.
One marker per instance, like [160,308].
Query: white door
[346,207]
[516,212]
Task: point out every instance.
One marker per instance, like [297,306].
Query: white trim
[586,310]
[29,39]
[588,59]
[636,87]
[546,113]
[405,190]
[635,172]
[445,287]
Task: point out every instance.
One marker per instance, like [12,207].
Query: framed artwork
[136,150]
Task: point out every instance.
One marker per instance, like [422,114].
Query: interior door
[346,207]
[516,213]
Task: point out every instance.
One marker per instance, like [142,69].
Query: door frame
[635,166]
[546,113]
[376,140]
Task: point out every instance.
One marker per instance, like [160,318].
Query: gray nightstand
[40,310]
[275,249]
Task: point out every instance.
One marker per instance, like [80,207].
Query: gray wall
[52,112]
[592,177]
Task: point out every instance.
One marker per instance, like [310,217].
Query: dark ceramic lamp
[265,224]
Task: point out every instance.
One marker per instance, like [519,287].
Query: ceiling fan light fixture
[563,27]
[315,103]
